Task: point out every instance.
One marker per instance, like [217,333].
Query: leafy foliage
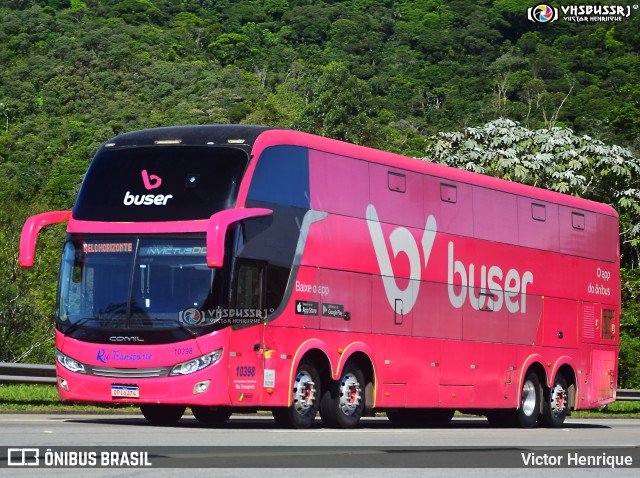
[629,366]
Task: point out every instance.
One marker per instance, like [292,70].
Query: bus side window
[276,285]
[282,177]
[249,291]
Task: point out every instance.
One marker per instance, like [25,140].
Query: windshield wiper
[76,325]
[179,324]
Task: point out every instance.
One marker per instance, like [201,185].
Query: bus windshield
[137,284]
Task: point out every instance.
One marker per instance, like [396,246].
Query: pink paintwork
[30,231]
[98,227]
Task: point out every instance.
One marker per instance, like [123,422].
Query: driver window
[250,293]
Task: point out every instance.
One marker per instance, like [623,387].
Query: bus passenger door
[246,350]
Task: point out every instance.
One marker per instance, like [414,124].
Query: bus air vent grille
[129,372]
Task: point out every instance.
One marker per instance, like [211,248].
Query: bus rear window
[160,183]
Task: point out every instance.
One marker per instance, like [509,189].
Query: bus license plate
[125,391]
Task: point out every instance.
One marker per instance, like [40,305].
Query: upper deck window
[160,183]
[282,176]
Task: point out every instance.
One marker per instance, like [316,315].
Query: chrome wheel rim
[558,400]
[350,394]
[528,398]
[304,392]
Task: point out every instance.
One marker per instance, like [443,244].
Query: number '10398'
[242,371]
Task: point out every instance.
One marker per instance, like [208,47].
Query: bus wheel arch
[311,376]
[569,374]
[322,363]
[351,396]
[558,399]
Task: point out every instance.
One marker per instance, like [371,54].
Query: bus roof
[223,134]
[290,137]
[257,138]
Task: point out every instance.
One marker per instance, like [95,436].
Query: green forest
[471,84]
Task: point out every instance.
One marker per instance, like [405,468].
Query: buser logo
[150,182]
[401,241]
[490,291]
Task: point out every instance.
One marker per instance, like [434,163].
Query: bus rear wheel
[306,399]
[211,416]
[527,414]
[343,404]
[555,405]
[163,414]
[420,417]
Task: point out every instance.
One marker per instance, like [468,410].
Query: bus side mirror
[217,228]
[30,232]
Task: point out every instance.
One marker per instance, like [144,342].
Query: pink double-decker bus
[240,268]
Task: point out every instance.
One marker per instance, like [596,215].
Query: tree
[229,47]
[342,107]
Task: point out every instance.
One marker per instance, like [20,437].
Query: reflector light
[235,141]
[168,141]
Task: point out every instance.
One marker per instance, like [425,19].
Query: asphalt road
[255,445]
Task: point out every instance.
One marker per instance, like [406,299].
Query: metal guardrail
[46,375]
[26,373]
[627,395]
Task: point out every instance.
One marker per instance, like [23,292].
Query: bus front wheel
[163,414]
[343,404]
[305,401]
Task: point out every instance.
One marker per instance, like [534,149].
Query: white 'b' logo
[401,240]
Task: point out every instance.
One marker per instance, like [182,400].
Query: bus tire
[526,416]
[163,414]
[306,399]
[555,404]
[420,417]
[211,416]
[343,404]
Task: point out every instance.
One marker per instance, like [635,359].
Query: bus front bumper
[199,388]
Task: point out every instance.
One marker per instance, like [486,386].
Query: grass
[629,409]
[44,399]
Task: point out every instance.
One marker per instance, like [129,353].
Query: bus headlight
[197,364]
[69,363]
